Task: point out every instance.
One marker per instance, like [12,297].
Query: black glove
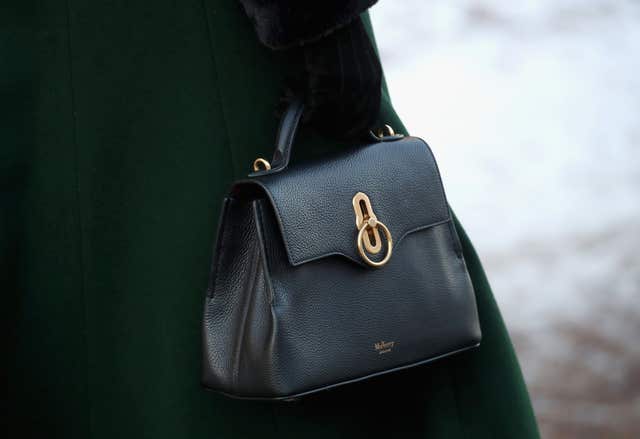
[340,82]
[335,68]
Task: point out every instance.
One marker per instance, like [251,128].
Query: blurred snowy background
[532,109]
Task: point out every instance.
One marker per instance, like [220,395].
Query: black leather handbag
[333,271]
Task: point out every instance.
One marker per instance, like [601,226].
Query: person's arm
[281,24]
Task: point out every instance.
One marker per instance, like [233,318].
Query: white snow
[532,109]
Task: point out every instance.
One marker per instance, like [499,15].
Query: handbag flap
[313,201]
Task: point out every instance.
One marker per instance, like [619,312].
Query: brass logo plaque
[384,347]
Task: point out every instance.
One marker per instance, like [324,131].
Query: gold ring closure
[362,252]
[368,227]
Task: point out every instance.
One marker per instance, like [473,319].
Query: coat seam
[214,62]
[80,223]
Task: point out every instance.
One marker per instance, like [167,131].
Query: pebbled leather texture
[291,309]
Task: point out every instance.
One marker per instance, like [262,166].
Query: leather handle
[286,134]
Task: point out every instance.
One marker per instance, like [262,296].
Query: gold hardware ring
[390,131]
[260,161]
[373,223]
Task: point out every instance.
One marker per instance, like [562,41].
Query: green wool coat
[123,124]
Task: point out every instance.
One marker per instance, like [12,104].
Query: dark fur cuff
[285,23]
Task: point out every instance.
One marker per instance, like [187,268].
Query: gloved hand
[335,68]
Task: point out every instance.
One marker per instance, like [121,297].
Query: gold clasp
[368,231]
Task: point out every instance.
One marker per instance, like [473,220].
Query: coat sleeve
[281,24]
